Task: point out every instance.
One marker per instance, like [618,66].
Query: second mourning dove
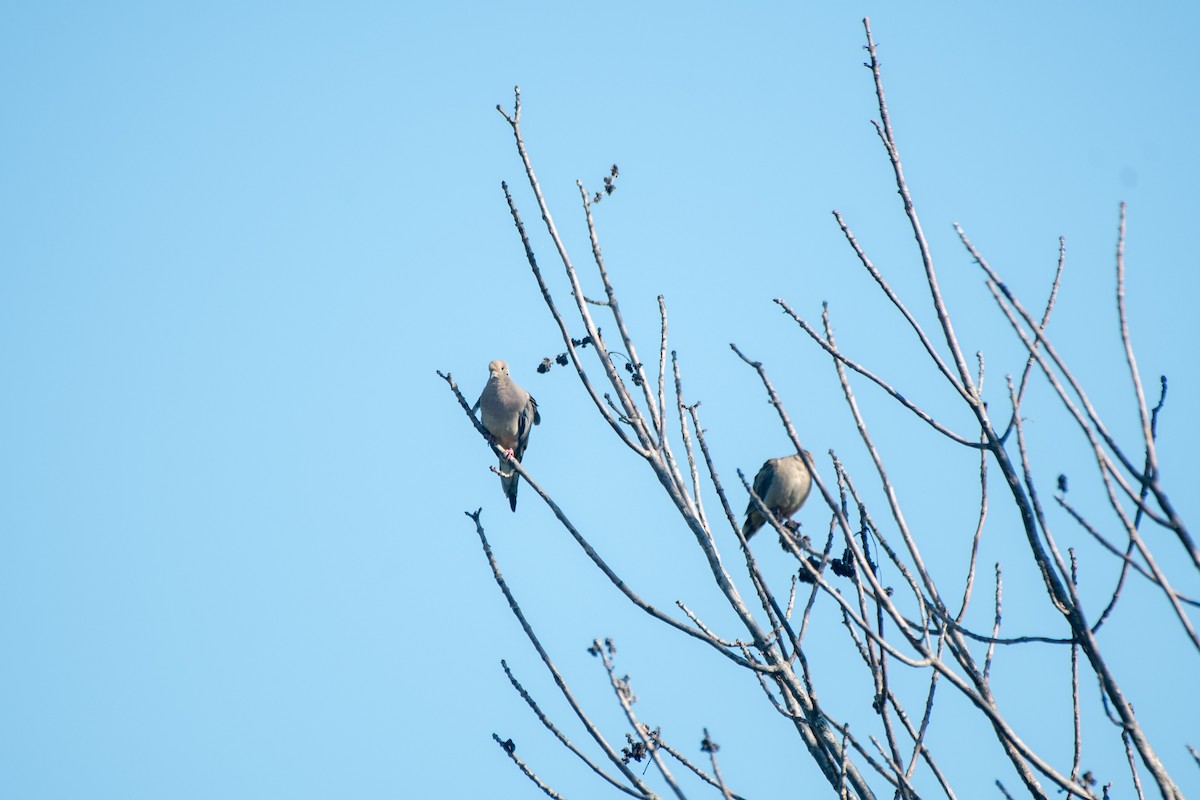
[783,485]
[509,413]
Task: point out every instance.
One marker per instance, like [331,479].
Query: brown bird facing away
[783,485]
[509,413]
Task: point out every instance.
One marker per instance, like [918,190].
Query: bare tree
[919,626]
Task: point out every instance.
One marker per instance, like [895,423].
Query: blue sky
[237,240]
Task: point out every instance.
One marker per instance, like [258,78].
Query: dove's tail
[754,521]
[508,481]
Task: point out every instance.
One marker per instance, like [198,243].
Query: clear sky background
[237,240]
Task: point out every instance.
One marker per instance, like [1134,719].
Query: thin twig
[656,419]
[510,750]
[969,583]
[887,135]
[1147,435]
[1062,259]
[1129,563]
[699,773]
[1077,752]
[710,747]
[1137,781]
[683,428]
[920,413]
[991,650]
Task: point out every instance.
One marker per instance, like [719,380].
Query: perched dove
[508,412]
[783,485]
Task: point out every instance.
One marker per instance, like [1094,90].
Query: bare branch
[656,419]
[581,305]
[624,694]
[926,635]
[991,651]
[561,736]
[1062,259]
[562,325]
[888,137]
[829,348]
[1078,738]
[969,583]
[1137,782]
[510,750]
[1172,520]
[1134,375]
[874,272]
[588,725]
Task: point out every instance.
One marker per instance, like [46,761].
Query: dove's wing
[763,482]
[528,417]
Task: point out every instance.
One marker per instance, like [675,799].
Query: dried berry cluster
[561,358]
[610,184]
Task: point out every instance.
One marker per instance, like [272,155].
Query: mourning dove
[783,485]
[508,412]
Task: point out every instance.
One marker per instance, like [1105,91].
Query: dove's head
[498,369]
